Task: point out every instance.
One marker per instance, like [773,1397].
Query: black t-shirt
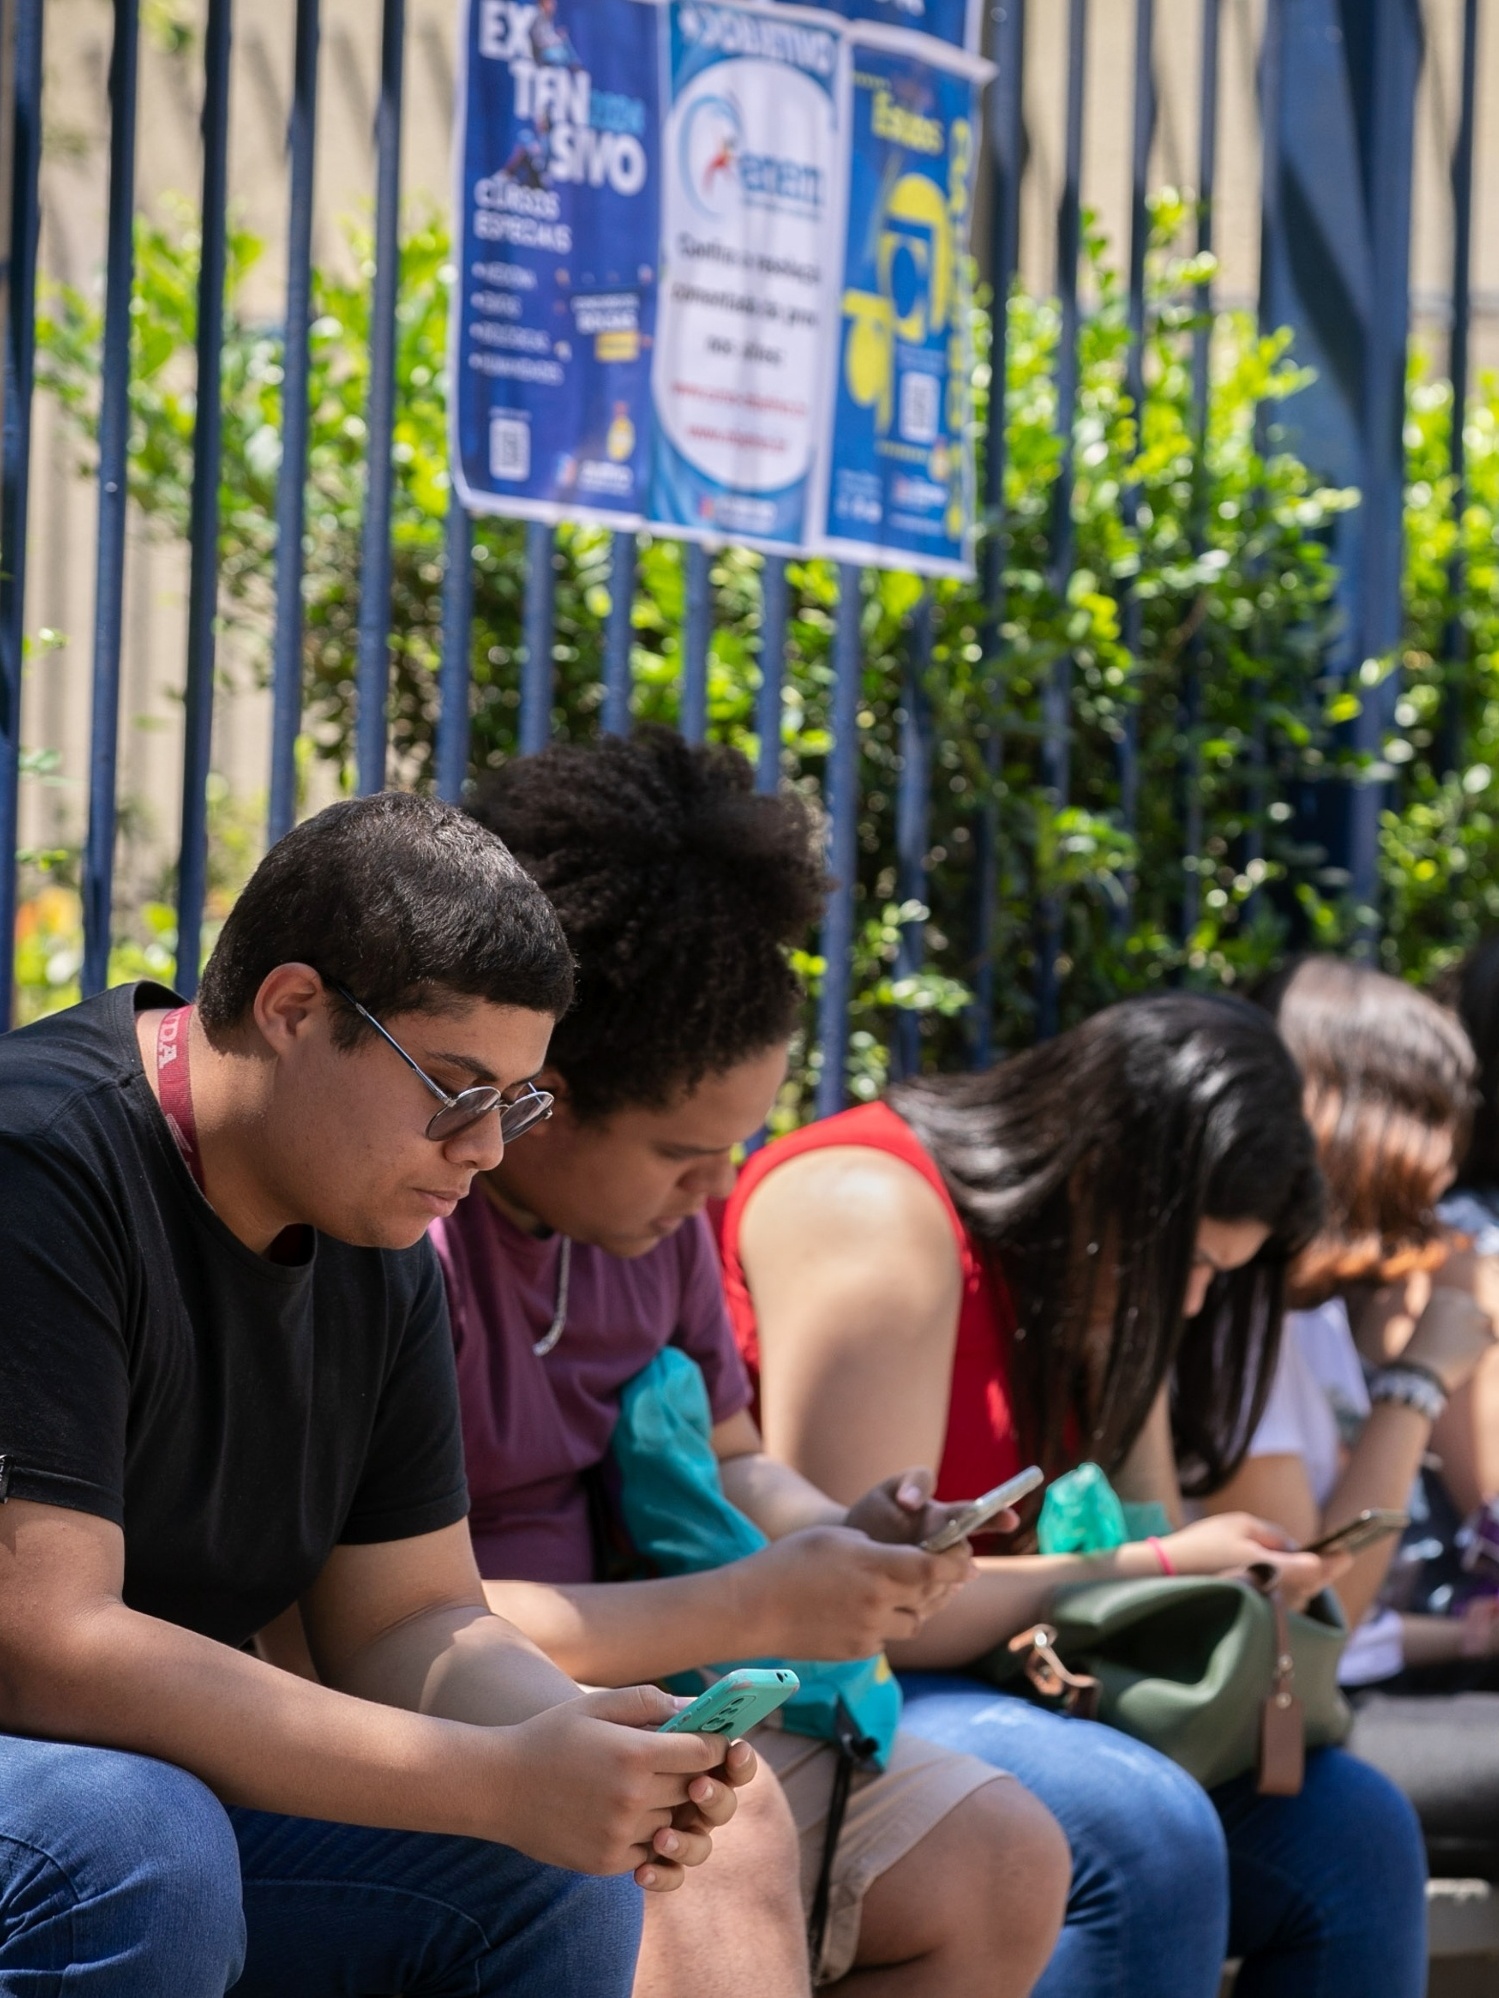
[236,1416]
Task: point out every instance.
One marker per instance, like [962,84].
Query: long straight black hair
[1084,1167]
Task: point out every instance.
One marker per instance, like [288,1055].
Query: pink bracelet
[1168,1566]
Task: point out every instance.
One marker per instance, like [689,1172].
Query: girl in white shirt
[1389,1329]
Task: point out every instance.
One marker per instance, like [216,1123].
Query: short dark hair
[679,890]
[403,900]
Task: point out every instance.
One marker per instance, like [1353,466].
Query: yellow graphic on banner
[621,439]
[920,229]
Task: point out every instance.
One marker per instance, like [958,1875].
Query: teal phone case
[736,1703]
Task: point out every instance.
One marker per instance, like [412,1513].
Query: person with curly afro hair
[681,892]
[680,889]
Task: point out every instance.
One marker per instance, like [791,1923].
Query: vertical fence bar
[15,452]
[913,800]
[1134,383]
[775,601]
[114,445]
[375,565]
[842,802]
[1380,520]
[451,752]
[697,629]
[1006,141]
[536,667]
[1454,637]
[203,523]
[291,479]
[1270,235]
[619,635]
[774,605]
[1190,716]
[1056,719]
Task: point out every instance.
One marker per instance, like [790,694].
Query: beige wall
[60,585]
[60,592]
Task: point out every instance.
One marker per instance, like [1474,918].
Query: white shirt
[1476,1214]
[1318,1404]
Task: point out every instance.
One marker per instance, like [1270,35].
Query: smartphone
[735,1703]
[1374,1523]
[980,1511]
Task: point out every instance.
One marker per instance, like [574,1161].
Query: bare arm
[774,1495]
[1441,1329]
[1148,1473]
[857,1284]
[1379,1472]
[1466,1436]
[856,1281]
[570,1786]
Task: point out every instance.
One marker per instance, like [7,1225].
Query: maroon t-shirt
[532,1427]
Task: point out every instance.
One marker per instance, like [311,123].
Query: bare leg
[735,1927]
[974,1911]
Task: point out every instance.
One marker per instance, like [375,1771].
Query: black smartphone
[1374,1523]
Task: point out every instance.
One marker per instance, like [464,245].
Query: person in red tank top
[1080,1255]
[981,1447]
[939,1223]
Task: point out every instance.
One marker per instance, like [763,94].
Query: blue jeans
[1323,1895]
[130,1877]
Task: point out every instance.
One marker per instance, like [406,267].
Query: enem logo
[719,170]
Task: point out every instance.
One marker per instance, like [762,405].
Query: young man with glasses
[579,1256]
[227,1387]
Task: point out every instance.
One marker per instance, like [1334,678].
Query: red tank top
[981,1447]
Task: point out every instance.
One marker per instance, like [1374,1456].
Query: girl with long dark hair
[1082,1255]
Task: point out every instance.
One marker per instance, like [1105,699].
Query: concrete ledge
[1464,1917]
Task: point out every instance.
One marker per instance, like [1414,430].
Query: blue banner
[956,22]
[556,284]
[751,145]
[899,488]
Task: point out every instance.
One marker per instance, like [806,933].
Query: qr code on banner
[509,447]
[918,407]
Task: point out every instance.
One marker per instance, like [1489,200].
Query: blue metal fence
[1388,87]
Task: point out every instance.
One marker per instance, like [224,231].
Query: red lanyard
[175,1088]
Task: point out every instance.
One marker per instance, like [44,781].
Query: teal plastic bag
[672,1504]
[1083,1514]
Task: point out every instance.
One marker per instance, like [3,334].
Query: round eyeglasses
[518,1113]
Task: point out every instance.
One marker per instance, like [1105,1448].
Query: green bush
[1227,563]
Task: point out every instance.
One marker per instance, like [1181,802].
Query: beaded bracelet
[1410,1385]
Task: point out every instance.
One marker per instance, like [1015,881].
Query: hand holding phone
[735,1703]
[978,1512]
[1373,1524]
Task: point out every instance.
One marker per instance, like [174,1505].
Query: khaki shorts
[889,1813]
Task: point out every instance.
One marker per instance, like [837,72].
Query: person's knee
[139,1862]
[1018,1867]
[988,1882]
[1371,1825]
[759,1849]
[171,1848]
[603,1928]
[736,1924]
[1153,1827]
